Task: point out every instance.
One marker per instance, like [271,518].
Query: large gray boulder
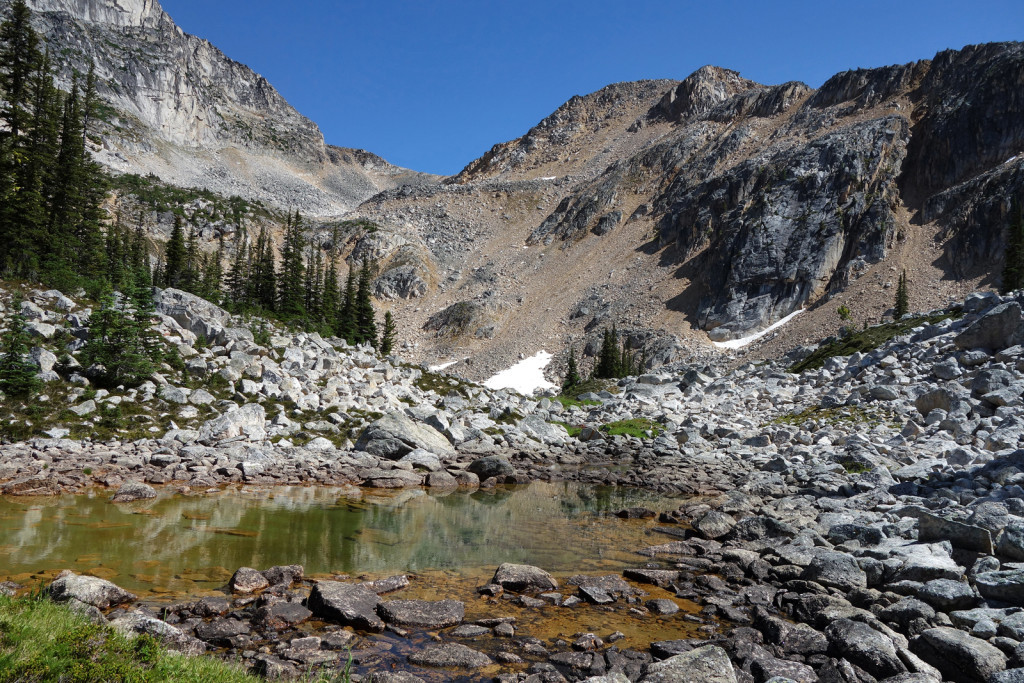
[958,655]
[708,664]
[346,603]
[422,613]
[396,435]
[524,577]
[136,623]
[450,655]
[491,466]
[248,421]
[133,490]
[193,313]
[864,646]
[90,590]
[1005,586]
[1000,328]
[966,536]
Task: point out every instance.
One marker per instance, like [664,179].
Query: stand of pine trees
[617,361]
[1013,264]
[50,188]
[52,227]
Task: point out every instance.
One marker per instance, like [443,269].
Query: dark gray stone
[864,646]
[450,655]
[959,656]
[523,577]
[422,613]
[346,603]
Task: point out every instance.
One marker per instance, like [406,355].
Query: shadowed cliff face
[178,107]
[775,197]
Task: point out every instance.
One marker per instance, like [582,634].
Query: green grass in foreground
[41,641]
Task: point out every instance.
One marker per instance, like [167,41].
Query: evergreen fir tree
[116,342]
[331,299]
[17,373]
[174,257]
[366,327]
[192,273]
[1013,263]
[387,335]
[346,322]
[292,279]
[238,274]
[264,276]
[902,306]
[572,373]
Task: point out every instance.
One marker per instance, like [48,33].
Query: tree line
[51,190]
[300,286]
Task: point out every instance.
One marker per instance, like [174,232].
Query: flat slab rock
[346,603]
[450,655]
[523,577]
[708,664]
[422,613]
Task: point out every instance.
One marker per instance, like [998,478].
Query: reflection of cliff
[548,525]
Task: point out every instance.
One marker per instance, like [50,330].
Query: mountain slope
[179,108]
[716,206]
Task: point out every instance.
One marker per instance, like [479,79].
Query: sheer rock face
[183,110]
[776,197]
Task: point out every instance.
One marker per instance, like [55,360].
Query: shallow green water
[179,543]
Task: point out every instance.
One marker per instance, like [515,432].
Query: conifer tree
[17,372]
[264,275]
[366,327]
[116,342]
[572,373]
[1013,263]
[902,305]
[292,279]
[174,258]
[346,322]
[387,335]
[331,299]
[238,273]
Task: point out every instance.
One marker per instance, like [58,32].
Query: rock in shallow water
[346,603]
[523,577]
[132,491]
[450,654]
[422,613]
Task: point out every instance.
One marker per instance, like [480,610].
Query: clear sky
[433,84]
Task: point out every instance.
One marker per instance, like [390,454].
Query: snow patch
[443,366]
[526,376]
[550,177]
[740,343]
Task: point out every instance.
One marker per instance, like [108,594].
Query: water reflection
[172,541]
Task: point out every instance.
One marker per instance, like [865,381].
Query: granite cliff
[177,107]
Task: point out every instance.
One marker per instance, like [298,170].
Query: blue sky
[433,84]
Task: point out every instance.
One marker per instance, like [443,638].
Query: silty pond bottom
[183,546]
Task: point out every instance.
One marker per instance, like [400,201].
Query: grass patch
[574,430]
[637,426]
[857,415]
[867,340]
[570,395]
[44,641]
[441,384]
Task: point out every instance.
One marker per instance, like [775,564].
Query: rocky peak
[701,91]
[140,13]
